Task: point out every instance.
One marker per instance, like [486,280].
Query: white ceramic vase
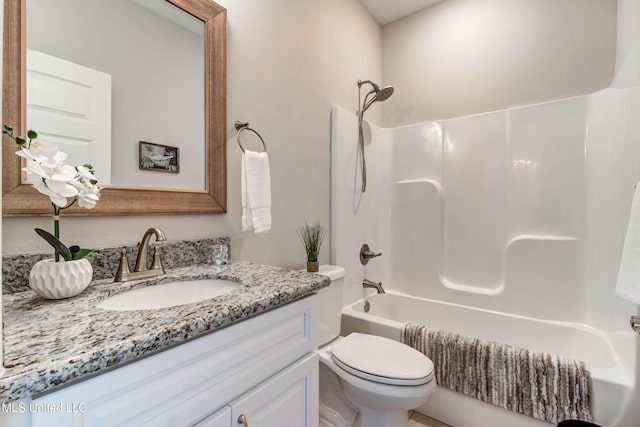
[57,280]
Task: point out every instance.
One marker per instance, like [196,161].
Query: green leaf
[7,129]
[81,253]
[311,237]
[55,243]
[32,134]
[78,253]
[20,140]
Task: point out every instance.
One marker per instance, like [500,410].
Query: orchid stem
[68,206]
[56,227]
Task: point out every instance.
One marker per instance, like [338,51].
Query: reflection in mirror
[103,75]
[190,133]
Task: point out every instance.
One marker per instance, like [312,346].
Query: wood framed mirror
[20,199]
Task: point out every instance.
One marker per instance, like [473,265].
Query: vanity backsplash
[16,268]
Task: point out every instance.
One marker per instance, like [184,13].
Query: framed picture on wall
[158,158]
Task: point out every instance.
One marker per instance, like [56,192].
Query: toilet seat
[382,360]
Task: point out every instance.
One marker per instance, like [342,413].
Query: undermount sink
[168,294]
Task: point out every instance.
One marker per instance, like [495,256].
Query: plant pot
[312,266]
[58,280]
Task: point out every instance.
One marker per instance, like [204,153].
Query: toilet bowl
[366,380]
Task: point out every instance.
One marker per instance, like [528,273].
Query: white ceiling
[386,11]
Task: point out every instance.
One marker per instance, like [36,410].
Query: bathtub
[612,383]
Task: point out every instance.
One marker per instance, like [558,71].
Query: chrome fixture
[366,254]
[241,126]
[635,323]
[367,306]
[379,95]
[366,283]
[142,269]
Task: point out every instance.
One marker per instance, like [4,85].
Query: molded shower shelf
[433,182]
[509,250]
[501,286]
[541,237]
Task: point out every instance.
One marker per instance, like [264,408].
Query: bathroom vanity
[243,358]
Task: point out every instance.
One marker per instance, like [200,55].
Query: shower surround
[521,211]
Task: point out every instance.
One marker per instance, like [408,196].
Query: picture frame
[158,157]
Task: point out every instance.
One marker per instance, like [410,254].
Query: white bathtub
[612,384]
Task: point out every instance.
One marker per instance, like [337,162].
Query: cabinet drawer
[184,384]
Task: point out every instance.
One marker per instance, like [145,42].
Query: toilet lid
[382,360]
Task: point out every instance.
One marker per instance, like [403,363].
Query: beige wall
[628,29]
[288,62]
[464,57]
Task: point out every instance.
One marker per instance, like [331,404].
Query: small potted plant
[69,272]
[312,237]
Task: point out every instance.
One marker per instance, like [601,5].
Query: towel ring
[240,126]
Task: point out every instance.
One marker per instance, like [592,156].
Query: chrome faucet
[142,269]
[366,283]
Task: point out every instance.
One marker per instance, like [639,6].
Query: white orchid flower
[88,200]
[56,198]
[52,177]
[62,188]
[86,173]
[88,193]
[43,152]
[45,166]
[63,173]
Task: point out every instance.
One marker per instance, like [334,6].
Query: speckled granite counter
[48,342]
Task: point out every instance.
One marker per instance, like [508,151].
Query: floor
[417,420]
[420,420]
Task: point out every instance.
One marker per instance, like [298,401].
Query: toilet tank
[330,304]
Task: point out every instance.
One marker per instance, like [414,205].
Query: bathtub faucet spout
[366,283]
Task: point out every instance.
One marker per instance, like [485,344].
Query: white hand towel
[629,275]
[256,192]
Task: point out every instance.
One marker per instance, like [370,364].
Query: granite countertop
[52,342]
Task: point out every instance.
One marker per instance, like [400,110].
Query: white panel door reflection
[70,105]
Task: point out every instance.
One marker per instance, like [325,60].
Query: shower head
[379,95]
[384,93]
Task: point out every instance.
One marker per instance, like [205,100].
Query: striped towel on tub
[540,385]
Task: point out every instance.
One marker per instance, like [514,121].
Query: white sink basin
[168,294]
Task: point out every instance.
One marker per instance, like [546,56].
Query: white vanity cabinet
[265,368]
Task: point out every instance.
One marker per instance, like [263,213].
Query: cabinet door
[288,399]
[221,418]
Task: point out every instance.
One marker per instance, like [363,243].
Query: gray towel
[540,385]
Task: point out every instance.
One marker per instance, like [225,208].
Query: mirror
[96,92]
[185,135]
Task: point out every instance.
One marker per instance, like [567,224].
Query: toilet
[365,380]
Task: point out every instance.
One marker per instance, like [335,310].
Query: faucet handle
[157,263]
[123,267]
[366,254]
